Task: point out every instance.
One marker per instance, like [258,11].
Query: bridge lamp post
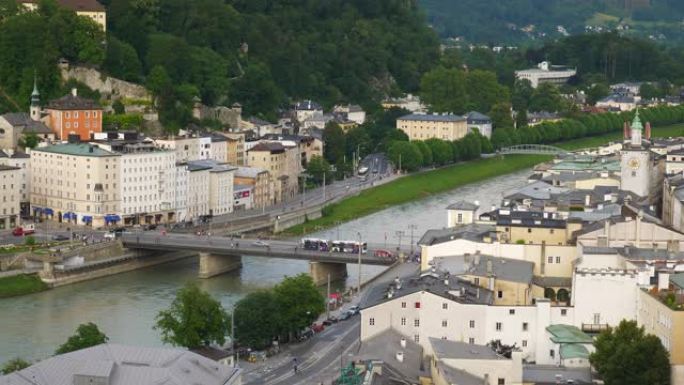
[360,246]
[412,227]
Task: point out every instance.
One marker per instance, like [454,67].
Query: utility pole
[399,234]
[232,338]
[360,246]
[324,185]
[337,225]
[412,227]
[327,300]
[399,163]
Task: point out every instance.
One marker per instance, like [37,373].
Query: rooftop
[272,147]
[76,149]
[549,374]
[461,350]
[73,102]
[75,5]
[505,269]
[384,346]
[30,126]
[458,376]
[474,116]
[463,205]
[125,365]
[8,168]
[433,118]
[249,172]
[473,231]
[568,334]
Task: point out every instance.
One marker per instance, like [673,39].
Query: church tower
[635,160]
[34,110]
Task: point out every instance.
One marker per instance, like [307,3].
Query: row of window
[68,114]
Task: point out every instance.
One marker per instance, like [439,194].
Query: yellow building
[421,127]
[236,148]
[76,182]
[533,227]
[282,162]
[86,8]
[509,279]
[668,326]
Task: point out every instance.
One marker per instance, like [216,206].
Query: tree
[257,319]
[300,303]
[87,335]
[546,98]
[501,115]
[194,319]
[649,91]
[597,92]
[626,355]
[521,95]
[444,90]
[442,153]
[484,91]
[14,365]
[425,151]
[405,155]
[318,167]
[30,140]
[335,142]
[521,119]
[357,139]
[118,107]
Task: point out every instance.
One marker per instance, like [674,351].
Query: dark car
[60,237]
[327,322]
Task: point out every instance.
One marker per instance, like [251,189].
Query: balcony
[594,328]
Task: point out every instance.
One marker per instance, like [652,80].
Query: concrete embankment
[122,264]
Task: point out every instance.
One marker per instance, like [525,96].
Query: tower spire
[636,130]
[34,110]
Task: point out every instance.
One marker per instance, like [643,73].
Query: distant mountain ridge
[513,21]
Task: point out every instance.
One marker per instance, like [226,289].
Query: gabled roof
[505,269]
[433,118]
[384,346]
[458,376]
[474,232]
[272,147]
[75,5]
[71,102]
[474,116]
[126,365]
[463,205]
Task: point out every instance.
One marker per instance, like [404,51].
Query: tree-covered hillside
[513,21]
[261,53]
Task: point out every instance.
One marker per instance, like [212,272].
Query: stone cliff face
[109,87]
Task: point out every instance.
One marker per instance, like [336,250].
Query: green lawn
[416,186]
[20,285]
[421,185]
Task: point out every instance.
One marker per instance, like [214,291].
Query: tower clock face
[634,163]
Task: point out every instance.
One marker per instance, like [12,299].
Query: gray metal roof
[473,231]
[458,376]
[461,350]
[249,172]
[476,117]
[463,205]
[505,269]
[433,118]
[678,280]
[536,190]
[126,365]
[546,374]
[384,346]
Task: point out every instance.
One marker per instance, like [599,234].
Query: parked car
[346,315]
[60,237]
[327,322]
[354,310]
[109,235]
[24,230]
[317,328]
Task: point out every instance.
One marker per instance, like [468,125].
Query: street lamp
[399,234]
[412,227]
[360,246]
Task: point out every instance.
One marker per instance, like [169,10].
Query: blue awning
[37,209]
[48,211]
[87,218]
[112,218]
[69,216]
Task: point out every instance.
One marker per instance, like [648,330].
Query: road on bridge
[244,246]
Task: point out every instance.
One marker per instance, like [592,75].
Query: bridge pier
[319,272]
[211,265]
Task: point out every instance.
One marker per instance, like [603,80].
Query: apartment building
[220,186]
[235,148]
[147,180]
[197,194]
[187,148]
[546,73]
[260,181]
[10,182]
[440,126]
[20,160]
[74,115]
[76,183]
[283,161]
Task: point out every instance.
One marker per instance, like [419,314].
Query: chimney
[74,92]
[663,280]
[489,267]
[587,200]
[637,235]
[403,342]
[400,356]
[606,230]
[625,130]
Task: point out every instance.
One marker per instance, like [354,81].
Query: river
[124,306]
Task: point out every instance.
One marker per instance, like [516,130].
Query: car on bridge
[260,244]
[380,253]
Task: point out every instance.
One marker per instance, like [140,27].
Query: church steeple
[35,100]
[636,130]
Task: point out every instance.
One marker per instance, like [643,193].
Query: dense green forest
[504,22]
[262,53]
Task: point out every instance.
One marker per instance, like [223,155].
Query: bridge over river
[219,255]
